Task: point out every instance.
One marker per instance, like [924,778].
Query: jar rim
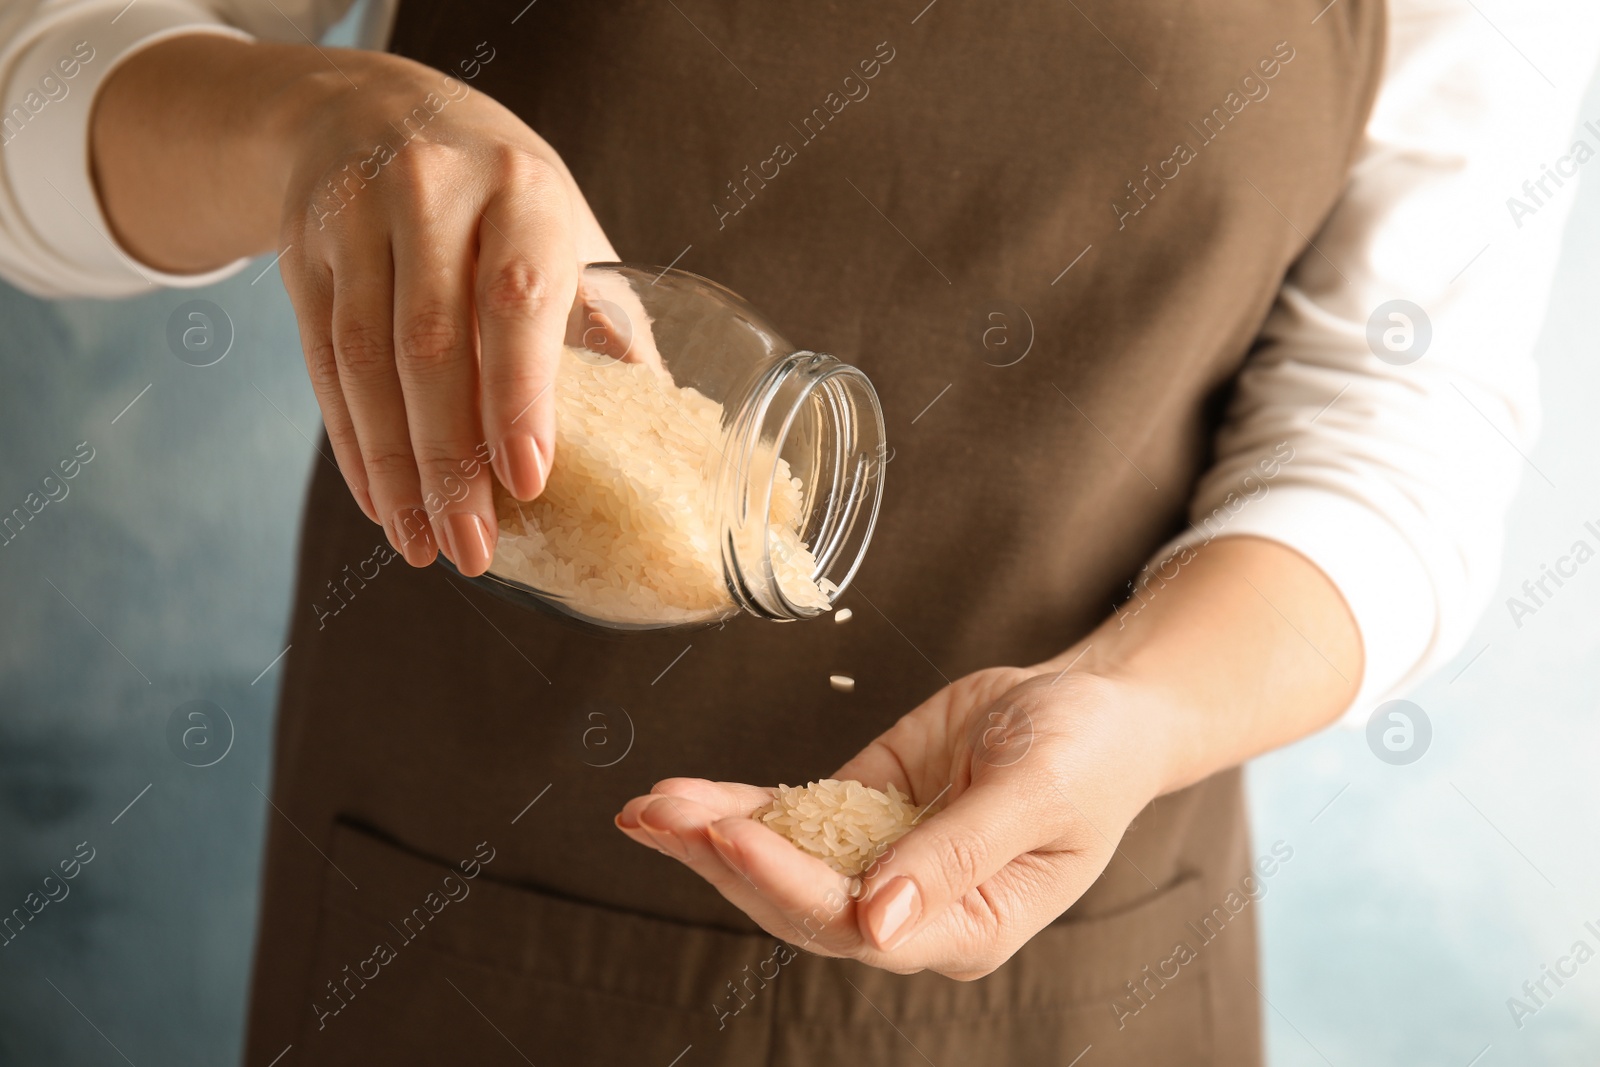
[812,403]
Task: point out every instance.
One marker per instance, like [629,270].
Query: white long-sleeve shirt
[1401,474]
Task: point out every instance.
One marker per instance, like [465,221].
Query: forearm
[190,146]
[430,242]
[1247,647]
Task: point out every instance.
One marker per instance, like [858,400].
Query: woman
[1188,223]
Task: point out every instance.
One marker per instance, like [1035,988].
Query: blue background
[1417,901]
[1427,894]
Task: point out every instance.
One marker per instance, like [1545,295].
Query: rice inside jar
[621,530]
[703,467]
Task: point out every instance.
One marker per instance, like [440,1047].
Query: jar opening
[813,418]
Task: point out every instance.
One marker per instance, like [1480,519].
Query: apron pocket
[423,964]
[1135,985]
[429,963]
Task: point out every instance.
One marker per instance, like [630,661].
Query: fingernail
[625,821]
[901,905]
[651,824]
[413,536]
[725,848]
[522,468]
[665,839]
[469,543]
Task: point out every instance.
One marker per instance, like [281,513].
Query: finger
[707,795]
[629,825]
[678,826]
[943,723]
[608,317]
[436,354]
[983,930]
[716,800]
[793,896]
[950,854]
[723,798]
[808,902]
[527,274]
[877,765]
[599,325]
[363,342]
[899,755]
[310,287]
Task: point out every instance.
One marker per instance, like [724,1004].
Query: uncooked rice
[846,825]
[623,531]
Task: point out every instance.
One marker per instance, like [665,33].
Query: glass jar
[704,466]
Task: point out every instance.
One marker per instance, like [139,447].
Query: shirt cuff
[47,159]
[1373,566]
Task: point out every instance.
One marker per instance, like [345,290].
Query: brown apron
[890,187]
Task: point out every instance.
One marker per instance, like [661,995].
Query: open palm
[1035,776]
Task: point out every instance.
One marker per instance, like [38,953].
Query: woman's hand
[1236,648]
[1036,773]
[431,243]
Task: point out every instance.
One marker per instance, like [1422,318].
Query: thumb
[949,855]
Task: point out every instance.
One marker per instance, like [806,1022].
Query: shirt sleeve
[55,240]
[1384,421]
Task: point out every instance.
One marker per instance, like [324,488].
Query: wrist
[1247,648]
[1123,753]
[1167,723]
[187,150]
[1180,721]
[195,141]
